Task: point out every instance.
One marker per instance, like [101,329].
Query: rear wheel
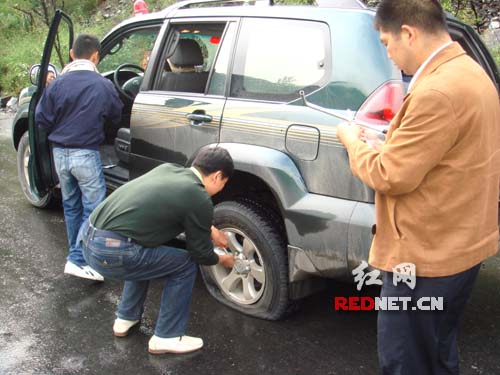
[258,283]
[23,154]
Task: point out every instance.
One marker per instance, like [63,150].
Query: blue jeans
[82,187]
[137,265]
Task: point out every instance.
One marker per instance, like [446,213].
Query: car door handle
[198,119]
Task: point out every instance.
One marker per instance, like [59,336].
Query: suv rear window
[275,59]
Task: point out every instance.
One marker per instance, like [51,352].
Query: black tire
[264,230]
[23,151]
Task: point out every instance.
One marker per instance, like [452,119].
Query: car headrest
[187,53]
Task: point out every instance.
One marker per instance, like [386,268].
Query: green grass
[22,47]
[20,51]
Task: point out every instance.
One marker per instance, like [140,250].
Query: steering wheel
[131,87]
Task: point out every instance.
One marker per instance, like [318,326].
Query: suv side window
[275,59]
[187,67]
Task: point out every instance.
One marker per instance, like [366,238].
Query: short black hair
[213,159]
[85,45]
[427,15]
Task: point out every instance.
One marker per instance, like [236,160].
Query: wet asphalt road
[56,324]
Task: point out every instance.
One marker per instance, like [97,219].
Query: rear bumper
[328,237]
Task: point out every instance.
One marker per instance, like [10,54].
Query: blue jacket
[74,108]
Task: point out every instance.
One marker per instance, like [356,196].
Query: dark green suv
[270,84]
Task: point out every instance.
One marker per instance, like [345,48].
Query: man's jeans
[137,265]
[423,342]
[82,187]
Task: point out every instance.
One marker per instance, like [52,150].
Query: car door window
[130,48]
[275,59]
[218,78]
[186,66]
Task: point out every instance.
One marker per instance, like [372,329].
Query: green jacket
[156,207]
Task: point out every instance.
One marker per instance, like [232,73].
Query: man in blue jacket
[73,109]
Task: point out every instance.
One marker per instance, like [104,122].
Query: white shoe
[122,326]
[180,344]
[85,272]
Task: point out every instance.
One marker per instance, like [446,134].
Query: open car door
[475,48]
[42,176]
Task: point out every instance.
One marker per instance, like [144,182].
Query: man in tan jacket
[436,180]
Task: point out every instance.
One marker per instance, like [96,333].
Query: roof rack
[187,4]
[225,3]
[341,4]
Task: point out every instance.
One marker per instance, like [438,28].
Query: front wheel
[23,155]
[258,283]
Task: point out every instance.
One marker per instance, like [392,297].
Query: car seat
[187,55]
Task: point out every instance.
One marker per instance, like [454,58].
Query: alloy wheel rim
[26,158]
[245,282]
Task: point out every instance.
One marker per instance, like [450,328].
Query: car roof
[197,8]
[341,4]
[258,7]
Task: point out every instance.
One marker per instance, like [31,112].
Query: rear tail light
[381,106]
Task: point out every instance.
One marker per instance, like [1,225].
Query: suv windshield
[132,48]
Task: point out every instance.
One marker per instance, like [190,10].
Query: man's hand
[219,238]
[348,132]
[226,260]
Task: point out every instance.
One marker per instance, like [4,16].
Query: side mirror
[34,72]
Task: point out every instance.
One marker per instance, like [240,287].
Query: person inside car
[51,74]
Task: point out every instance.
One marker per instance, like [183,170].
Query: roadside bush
[21,51]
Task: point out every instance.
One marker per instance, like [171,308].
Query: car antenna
[348,118]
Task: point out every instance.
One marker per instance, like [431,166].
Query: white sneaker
[122,326]
[180,344]
[85,272]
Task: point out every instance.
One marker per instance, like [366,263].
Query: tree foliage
[36,12]
[31,14]
[478,13]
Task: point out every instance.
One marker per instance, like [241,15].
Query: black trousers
[416,342]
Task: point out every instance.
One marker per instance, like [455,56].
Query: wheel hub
[241,265]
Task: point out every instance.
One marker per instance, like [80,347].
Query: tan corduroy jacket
[437,176]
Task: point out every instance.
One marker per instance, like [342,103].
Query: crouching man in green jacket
[125,235]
